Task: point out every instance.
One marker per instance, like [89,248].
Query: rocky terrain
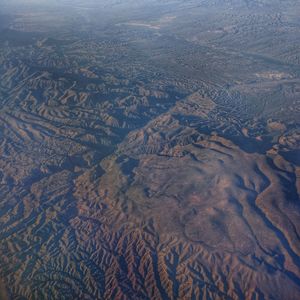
[150,149]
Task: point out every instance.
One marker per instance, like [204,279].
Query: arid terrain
[150,149]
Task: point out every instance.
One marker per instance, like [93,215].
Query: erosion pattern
[150,150]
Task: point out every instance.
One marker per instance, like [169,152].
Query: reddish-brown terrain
[150,150]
